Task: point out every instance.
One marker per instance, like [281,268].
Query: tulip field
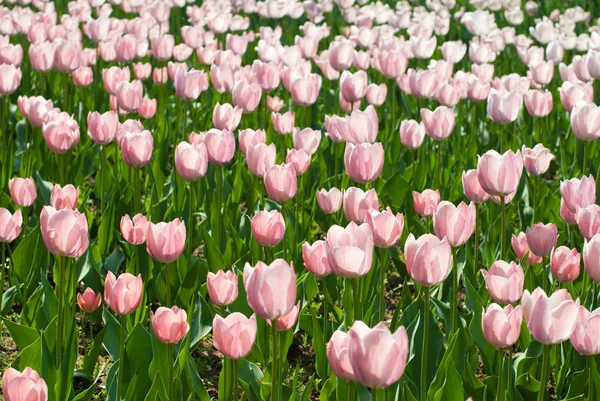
[284,200]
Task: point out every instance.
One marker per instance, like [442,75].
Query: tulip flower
[89,301]
[504,281]
[338,356]
[268,228]
[134,231]
[23,386]
[65,197]
[123,294]
[65,231]
[501,326]
[541,238]
[330,201]
[426,202]
[270,289]
[551,320]
[281,182]
[234,335]
[191,160]
[169,325]
[521,248]
[565,264]
[350,250]
[22,191]
[222,287]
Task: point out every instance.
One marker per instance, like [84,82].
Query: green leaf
[213,255]
[318,343]
[91,358]
[201,321]
[23,336]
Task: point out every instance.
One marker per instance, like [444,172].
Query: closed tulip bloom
[439,123]
[222,287]
[281,182]
[377,356]
[537,160]
[578,193]
[102,128]
[360,127]
[453,52]
[246,96]
[165,241]
[268,228]
[412,134]
[501,326]
[477,90]
[521,248]
[134,231]
[65,232]
[191,160]
[551,320]
[354,86]
[190,84]
[585,121]
[424,84]
[83,76]
[305,91]
[234,335]
[329,201]
[220,146]
[268,75]
[260,158]
[585,336]
[221,77]
[130,95]
[315,258]
[10,225]
[504,281]
[271,289]
[428,259]
[274,103]
[500,174]
[89,301]
[22,191]
[357,203]
[591,257]
[226,116]
[472,188]
[113,76]
[426,201]
[39,111]
[588,221]
[503,107]
[385,227]
[23,386]
[573,93]
[288,321]
[538,103]
[338,356]
[41,56]
[300,159]
[341,55]
[565,264]
[249,137]
[306,139]
[568,216]
[147,108]
[283,123]
[350,250]
[455,223]
[364,161]
[162,47]
[541,238]
[137,148]
[142,71]
[66,56]
[64,197]
[61,133]
[123,294]
[169,324]
[542,72]
[376,94]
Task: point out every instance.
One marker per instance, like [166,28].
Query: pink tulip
[454,223]
[267,75]
[521,248]
[220,146]
[585,335]
[360,127]
[10,225]
[61,133]
[65,232]
[123,294]
[500,174]
[137,148]
[246,96]
[130,95]
[274,103]
[537,160]
[585,121]
[412,134]
[472,188]
[25,386]
[338,356]
[477,90]
[565,264]
[541,238]
[134,231]
[268,228]
[113,76]
[249,137]
[350,250]
[39,111]
[147,108]
[354,86]
[300,159]
[102,128]
[83,76]
[439,123]
[165,241]
[283,123]
[169,325]
[288,321]
[357,203]
[364,161]
[377,356]
[41,56]
[428,260]
[315,258]
[448,95]
[385,227]
[423,47]
[22,191]
[306,139]
[504,281]
[66,56]
[89,301]
[222,287]
[568,216]
[221,77]
[329,201]
[453,52]
[578,193]
[305,91]
[501,327]
[423,83]
[376,94]
[260,158]
[542,72]
[11,54]
[538,103]
[341,55]
[271,289]
[591,257]
[160,76]
[573,93]
[190,84]
[64,197]
[588,221]
[142,71]
[226,117]
[503,107]
[191,160]
[392,64]
[551,320]
[281,182]
[426,202]
[234,335]
[162,47]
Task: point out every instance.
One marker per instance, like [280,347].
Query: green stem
[535,195]
[355,294]
[374,394]
[121,356]
[284,214]
[510,372]
[103,163]
[454,303]
[325,307]
[477,246]
[393,127]
[61,316]
[190,235]
[499,395]
[171,372]
[382,274]
[585,156]
[219,199]
[66,93]
[590,377]
[545,372]
[544,275]
[168,283]
[503,232]
[91,331]
[439,169]
[235,380]
[427,301]
[275,365]
[351,391]
[3,254]
[137,196]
